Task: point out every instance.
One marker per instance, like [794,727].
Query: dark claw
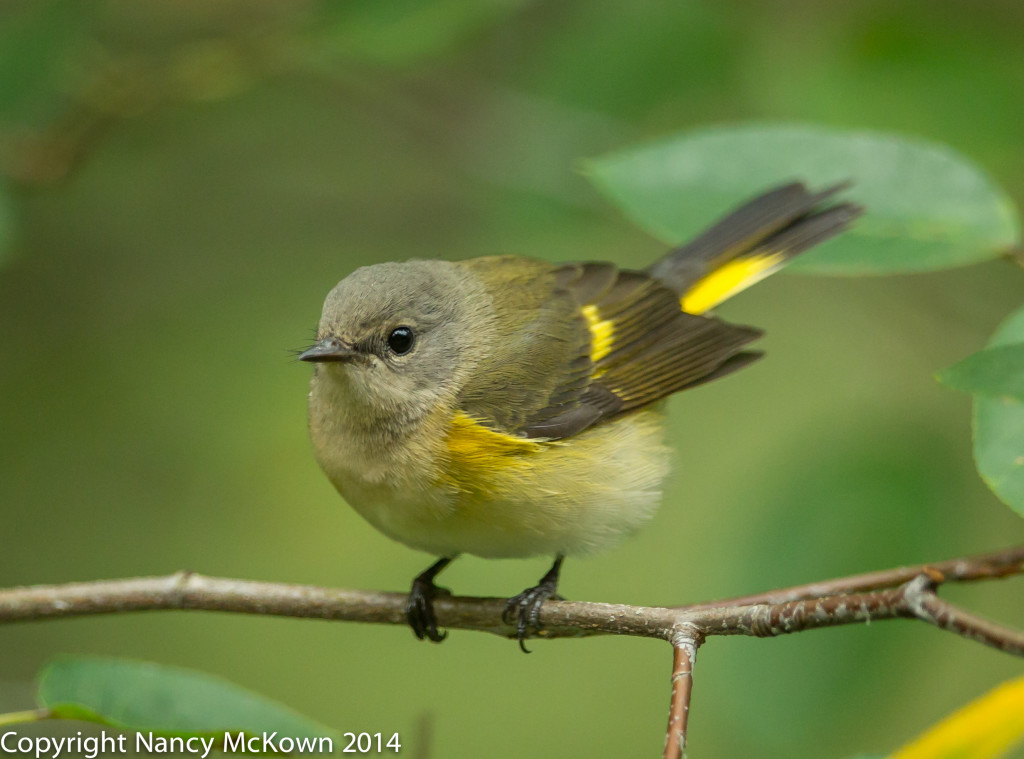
[419,609]
[524,609]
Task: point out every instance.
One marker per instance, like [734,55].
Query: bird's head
[395,340]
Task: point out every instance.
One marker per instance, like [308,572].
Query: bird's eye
[400,340]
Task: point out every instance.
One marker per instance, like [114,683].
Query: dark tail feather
[752,242]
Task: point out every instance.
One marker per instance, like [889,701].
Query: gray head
[399,338]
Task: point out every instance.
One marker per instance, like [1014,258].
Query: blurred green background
[182,182]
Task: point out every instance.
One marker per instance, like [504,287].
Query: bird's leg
[525,608]
[419,609]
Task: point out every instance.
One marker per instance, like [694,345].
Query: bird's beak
[330,349]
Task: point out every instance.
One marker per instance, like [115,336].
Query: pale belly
[575,496]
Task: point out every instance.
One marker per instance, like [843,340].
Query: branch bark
[986,566]
[684,655]
[902,593]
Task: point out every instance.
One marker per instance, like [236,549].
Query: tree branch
[902,593]
[684,654]
[987,566]
[778,612]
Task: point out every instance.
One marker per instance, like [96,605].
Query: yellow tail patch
[727,280]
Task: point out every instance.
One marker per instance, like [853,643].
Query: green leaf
[999,429]
[992,372]
[145,697]
[927,207]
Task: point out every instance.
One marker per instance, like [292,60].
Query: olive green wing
[582,343]
[648,337]
[573,345]
[642,347]
[537,359]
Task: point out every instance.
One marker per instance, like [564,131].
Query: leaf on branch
[984,729]
[994,372]
[999,428]
[927,207]
[146,697]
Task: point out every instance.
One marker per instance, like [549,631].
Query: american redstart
[509,407]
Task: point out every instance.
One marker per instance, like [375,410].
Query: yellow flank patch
[602,333]
[984,729]
[469,439]
[727,280]
[476,453]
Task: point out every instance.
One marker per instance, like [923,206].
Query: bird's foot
[419,609]
[524,609]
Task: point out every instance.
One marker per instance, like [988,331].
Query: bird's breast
[453,485]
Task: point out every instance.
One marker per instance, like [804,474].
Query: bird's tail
[750,243]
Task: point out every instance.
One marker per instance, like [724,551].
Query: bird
[509,407]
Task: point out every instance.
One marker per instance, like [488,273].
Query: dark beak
[330,349]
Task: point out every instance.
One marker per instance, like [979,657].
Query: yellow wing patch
[602,333]
[727,280]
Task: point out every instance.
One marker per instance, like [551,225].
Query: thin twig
[981,567]
[928,607]
[684,654]
[562,619]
